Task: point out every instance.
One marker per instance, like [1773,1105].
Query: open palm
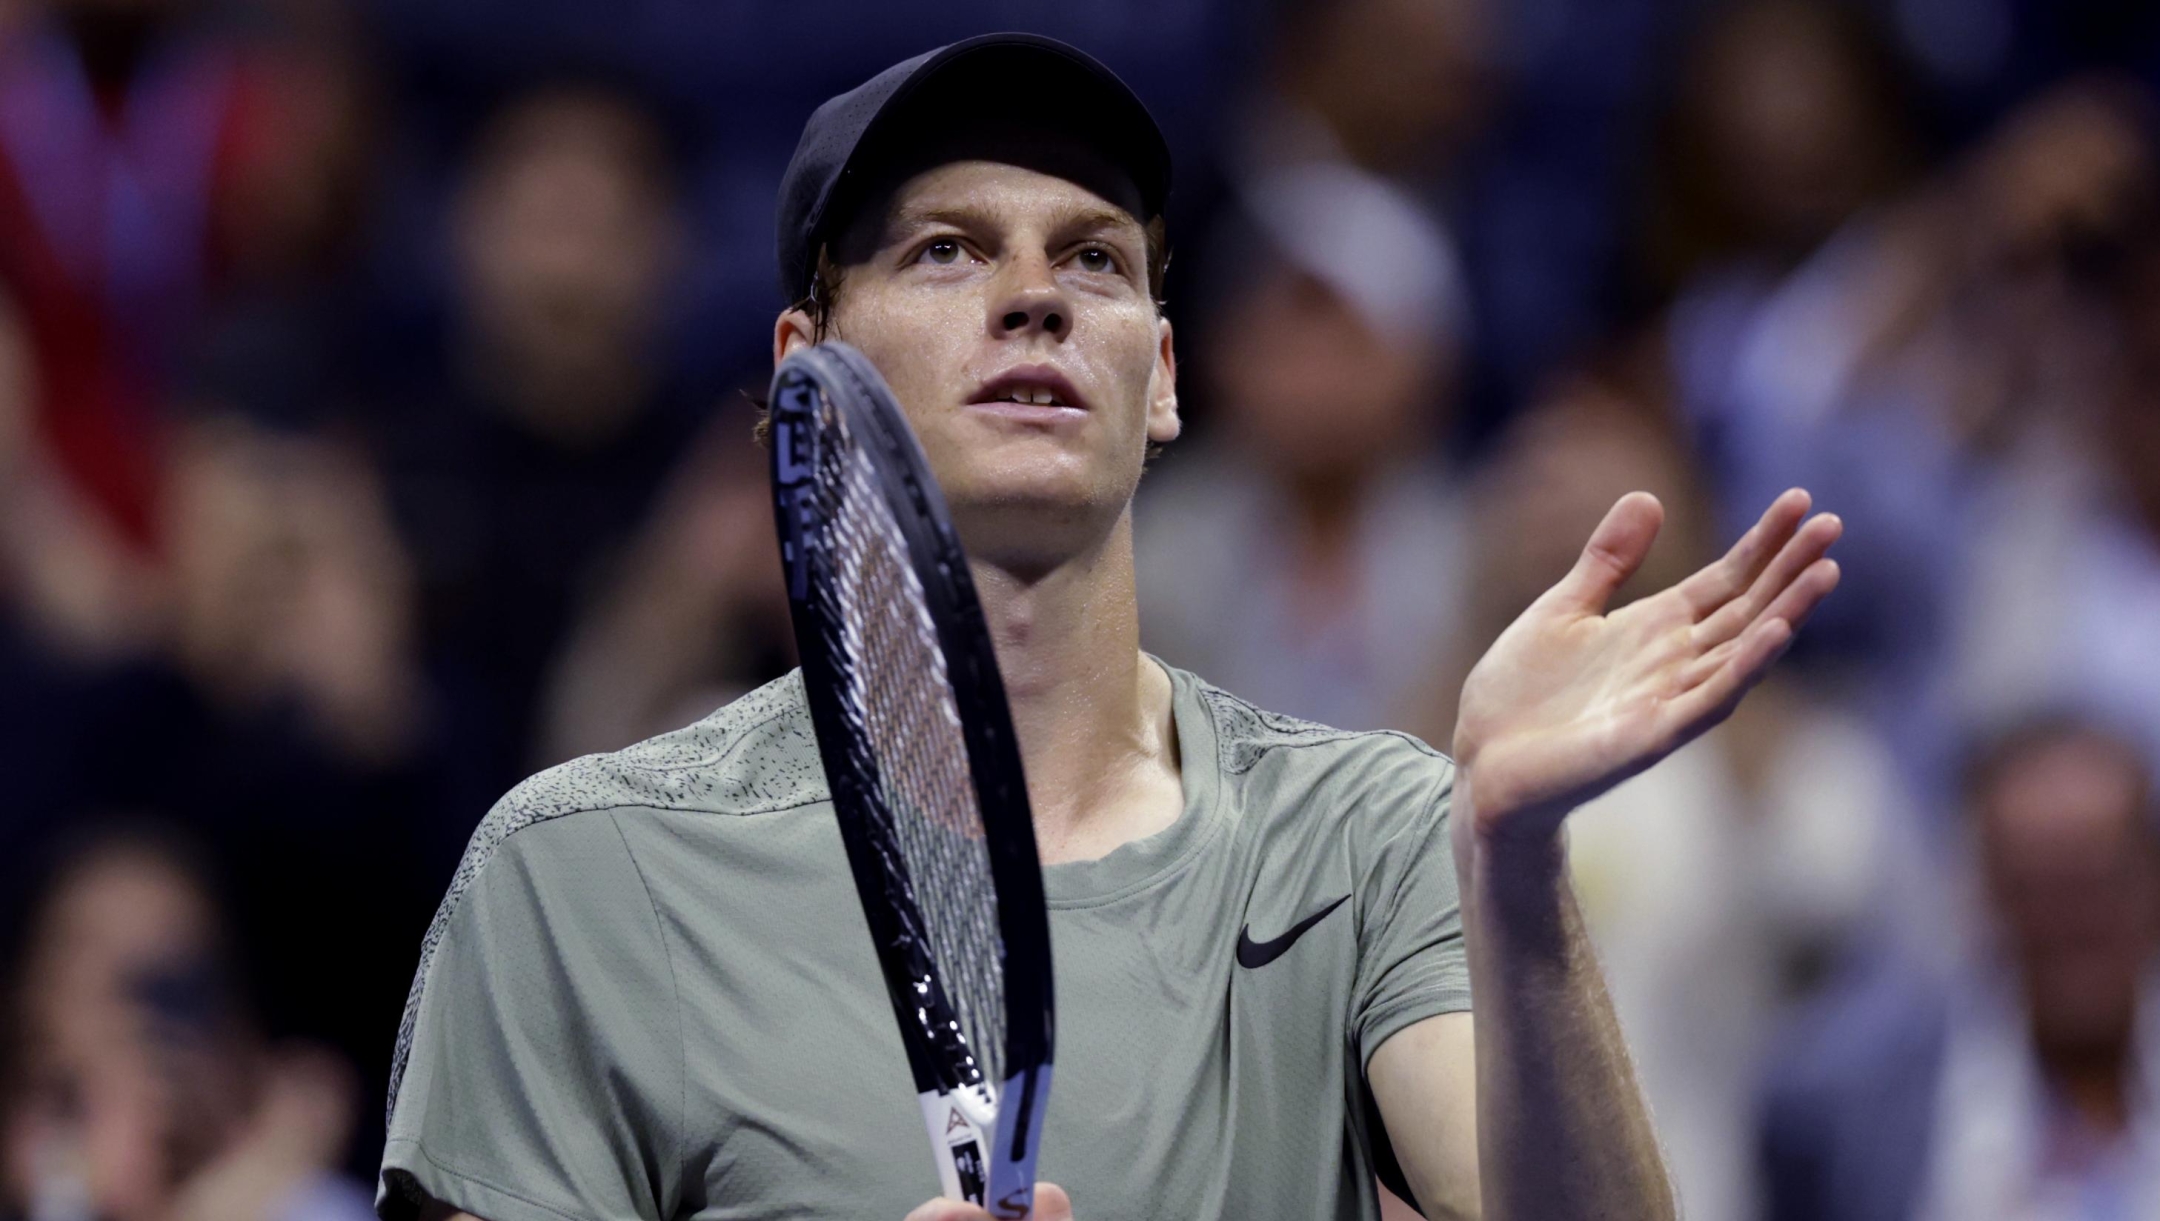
[1571,700]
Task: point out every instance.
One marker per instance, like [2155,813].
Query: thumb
[1615,550]
[1051,1203]
[948,1210]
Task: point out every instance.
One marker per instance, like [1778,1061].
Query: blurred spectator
[264,691]
[1406,90]
[298,331]
[520,474]
[1396,87]
[1787,118]
[1309,555]
[289,726]
[290,589]
[1517,122]
[134,1084]
[138,142]
[1895,348]
[697,616]
[2023,1082]
[78,608]
[1786,137]
[66,574]
[2063,603]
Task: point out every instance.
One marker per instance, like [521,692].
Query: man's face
[2075,881]
[1009,311]
[564,238]
[1314,390]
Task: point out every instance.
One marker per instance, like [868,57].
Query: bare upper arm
[1425,1080]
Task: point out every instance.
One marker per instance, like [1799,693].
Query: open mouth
[1040,396]
[1031,386]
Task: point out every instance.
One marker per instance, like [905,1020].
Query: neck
[1091,712]
[570,399]
[1325,507]
[2093,1081]
[1325,512]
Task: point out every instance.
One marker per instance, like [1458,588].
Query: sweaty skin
[983,275]
[981,278]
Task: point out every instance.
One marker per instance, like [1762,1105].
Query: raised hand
[1571,700]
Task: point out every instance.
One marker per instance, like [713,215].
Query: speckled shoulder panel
[1244,734]
[755,755]
[752,756]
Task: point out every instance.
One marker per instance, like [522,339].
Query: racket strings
[901,696]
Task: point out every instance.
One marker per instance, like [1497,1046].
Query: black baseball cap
[943,105]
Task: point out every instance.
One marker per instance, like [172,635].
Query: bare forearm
[1562,1131]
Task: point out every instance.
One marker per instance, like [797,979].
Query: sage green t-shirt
[650,992]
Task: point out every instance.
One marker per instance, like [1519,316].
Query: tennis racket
[918,748]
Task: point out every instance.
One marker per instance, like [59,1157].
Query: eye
[1096,258]
[944,251]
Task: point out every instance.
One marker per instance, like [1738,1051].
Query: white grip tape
[960,1125]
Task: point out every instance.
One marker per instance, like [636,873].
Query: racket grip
[1019,1137]
[961,1144]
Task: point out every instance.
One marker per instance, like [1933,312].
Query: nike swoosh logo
[1251,954]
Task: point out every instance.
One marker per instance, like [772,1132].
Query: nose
[1029,300]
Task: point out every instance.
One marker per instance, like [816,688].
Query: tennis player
[648,993]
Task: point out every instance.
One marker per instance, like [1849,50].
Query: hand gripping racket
[917,743]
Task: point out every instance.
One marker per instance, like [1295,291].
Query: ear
[1163,425]
[792,330]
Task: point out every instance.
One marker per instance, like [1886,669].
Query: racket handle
[961,1144]
[1022,1102]
[995,1169]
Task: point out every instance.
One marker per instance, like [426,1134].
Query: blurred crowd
[375,429]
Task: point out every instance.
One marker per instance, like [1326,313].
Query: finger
[1792,608]
[1714,699]
[1723,580]
[1806,546]
[1805,593]
[1615,550]
[948,1210]
[1051,1203]
[1696,672]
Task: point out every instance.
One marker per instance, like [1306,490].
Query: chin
[1029,525]
[1035,475]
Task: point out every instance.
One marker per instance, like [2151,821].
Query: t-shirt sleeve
[543,1077]
[1412,963]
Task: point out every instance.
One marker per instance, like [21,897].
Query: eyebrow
[906,220]
[1092,219]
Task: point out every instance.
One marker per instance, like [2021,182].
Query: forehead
[2076,786]
[569,128]
[999,193]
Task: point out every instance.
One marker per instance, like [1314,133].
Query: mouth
[1030,390]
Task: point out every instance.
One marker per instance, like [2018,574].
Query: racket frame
[985,1160]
